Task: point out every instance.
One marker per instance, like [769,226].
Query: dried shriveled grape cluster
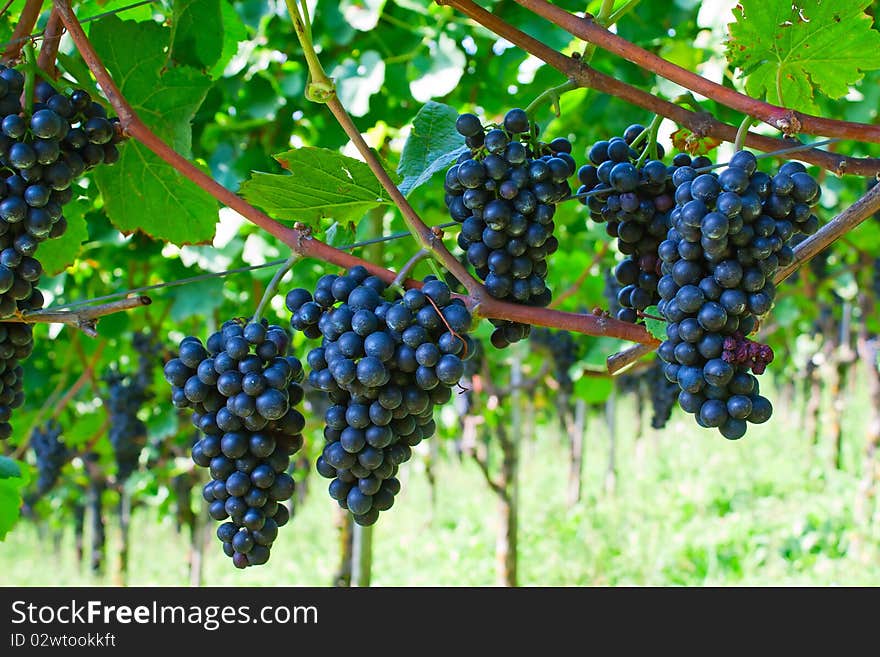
[730,233]
[504,193]
[633,201]
[243,389]
[384,364]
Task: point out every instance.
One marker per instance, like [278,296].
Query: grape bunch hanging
[43,151]
[504,192]
[384,363]
[730,232]
[51,454]
[633,199]
[243,389]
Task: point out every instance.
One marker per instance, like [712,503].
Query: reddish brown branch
[23,29]
[51,41]
[782,118]
[701,124]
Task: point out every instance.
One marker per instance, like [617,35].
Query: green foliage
[11,483]
[140,191]
[432,146]
[788,51]
[322,183]
[656,327]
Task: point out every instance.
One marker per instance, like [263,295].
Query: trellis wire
[228,272]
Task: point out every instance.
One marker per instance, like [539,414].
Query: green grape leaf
[656,327]
[141,191]
[432,145]
[201,298]
[197,32]
[357,81]
[11,483]
[789,50]
[324,183]
[234,32]
[9,468]
[593,389]
[58,254]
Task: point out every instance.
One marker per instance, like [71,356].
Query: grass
[690,508]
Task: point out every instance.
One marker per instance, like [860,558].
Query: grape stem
[30,77]
[272,287]
[651,146]
[396,286]
[85,320]
[747,123]
[699,122]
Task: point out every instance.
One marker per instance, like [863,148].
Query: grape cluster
[51,454]
[729,234]
[564,350]
[42,152]
[633,201]
[16,344]
[504,192]
[126,395]
[384,365]
[243,389]
[664,394]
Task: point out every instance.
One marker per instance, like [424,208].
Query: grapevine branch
[702,124]
[49,47]
[784,119]
[23,28]
[85,320]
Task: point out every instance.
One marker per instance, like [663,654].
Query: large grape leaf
[57,254]
[322,183]
[141,191]
[197,28]
[11,483]
[432,145]
[789,50]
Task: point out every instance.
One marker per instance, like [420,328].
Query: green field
[690,509]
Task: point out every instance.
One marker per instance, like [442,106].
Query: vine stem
[51,42]
[426,237]
[651,146]
[784,119]
[397,283]
[700,123]
[85,320]
[26,22]
[551,96]
[272,287]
